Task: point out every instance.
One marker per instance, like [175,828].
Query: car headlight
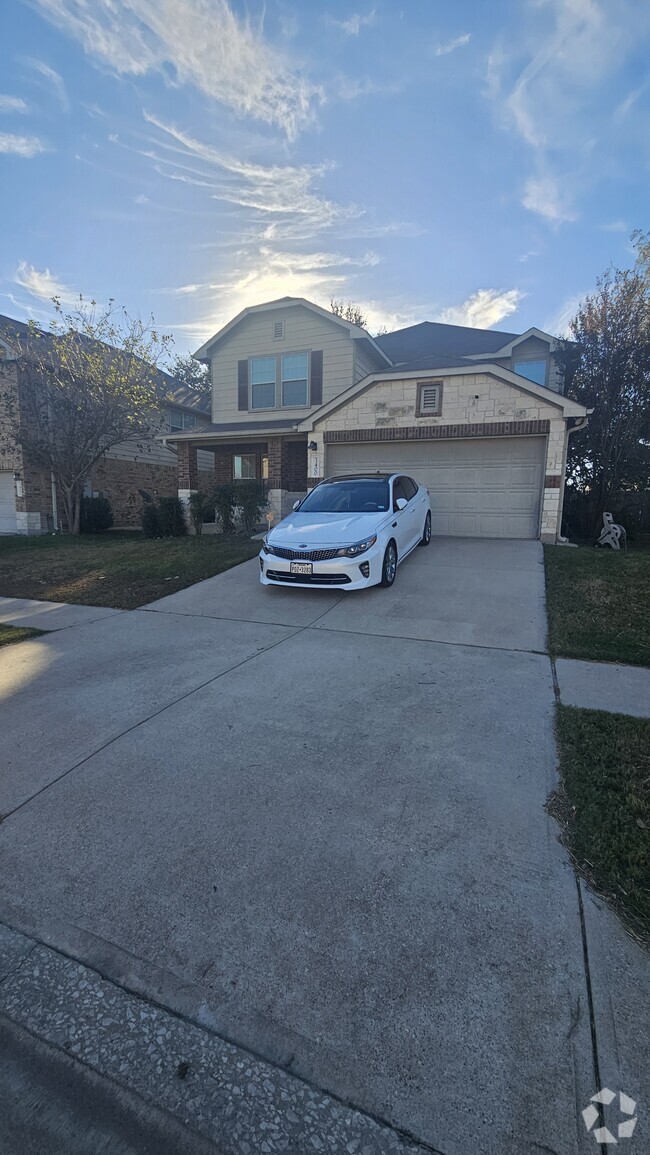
[355,550]
[268,548]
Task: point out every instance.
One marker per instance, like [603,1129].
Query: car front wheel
[389,567]
[426,532]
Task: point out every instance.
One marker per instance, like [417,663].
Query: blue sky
[469,162]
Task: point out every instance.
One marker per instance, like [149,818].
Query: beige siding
[304,331]
[154,452]
[366,361]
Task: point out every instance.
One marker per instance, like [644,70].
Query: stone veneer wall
[471,399]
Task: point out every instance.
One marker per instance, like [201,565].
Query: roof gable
[432,337]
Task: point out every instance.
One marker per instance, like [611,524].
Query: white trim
[569,408]
[506,350]
[354,332]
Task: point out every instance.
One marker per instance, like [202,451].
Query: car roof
[378,476]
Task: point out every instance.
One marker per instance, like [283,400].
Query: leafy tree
[607,368]
[88,384]
[192,373]
[349,311]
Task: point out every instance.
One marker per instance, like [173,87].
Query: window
[399,490]
[295,369]
[243,466]
[278,330]
[410,487]
[429,399]
[262,382]
[531,370]
[178,419]
[350,495]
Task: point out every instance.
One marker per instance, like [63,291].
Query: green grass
[123,570]
[11,634]
[604,806]
[597,602]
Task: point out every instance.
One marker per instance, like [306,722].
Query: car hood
[311,529]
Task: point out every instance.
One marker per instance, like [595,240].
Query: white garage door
[490,487]
[7,502]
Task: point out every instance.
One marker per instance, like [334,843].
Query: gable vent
[429,399]
[278,330]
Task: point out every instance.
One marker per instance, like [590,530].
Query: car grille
[304,554]
[302,579]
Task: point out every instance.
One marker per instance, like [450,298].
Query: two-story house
[476,415]
[128,474]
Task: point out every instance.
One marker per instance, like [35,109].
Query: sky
[479,164]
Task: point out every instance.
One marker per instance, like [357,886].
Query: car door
[401,518]
[416,510]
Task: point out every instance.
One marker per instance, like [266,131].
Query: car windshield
[356,495]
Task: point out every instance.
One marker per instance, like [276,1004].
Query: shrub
[251,500]
[172,522]
[151,526]
[96,515]
[223,499]
[199,509]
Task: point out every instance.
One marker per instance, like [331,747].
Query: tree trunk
[76,525]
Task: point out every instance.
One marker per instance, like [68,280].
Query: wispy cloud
[353,24]
[452,45]
[12,104]
[25,146]
[206,43]
[615,227]
[483,310]
[41,283]
[544,196]
[350,88]
[558,323]
[52,79]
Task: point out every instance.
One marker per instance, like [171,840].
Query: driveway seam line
[429,641]
[185,1018]
[142,721]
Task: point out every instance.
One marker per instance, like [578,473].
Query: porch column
[274,491]
[287,474]
[188,477]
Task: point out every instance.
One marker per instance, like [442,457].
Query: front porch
[279,461]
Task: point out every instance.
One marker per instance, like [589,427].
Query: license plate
[301,567]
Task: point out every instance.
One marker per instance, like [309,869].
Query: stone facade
[473,404]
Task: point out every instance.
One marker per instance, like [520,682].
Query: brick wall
[121,481]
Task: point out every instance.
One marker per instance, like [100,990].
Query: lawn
[604,806]
[10,634]
[123,570]
[597,602]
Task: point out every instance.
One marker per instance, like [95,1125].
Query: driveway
[326,812]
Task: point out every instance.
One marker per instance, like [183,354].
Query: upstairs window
[262,382]
[295,370]
[531,370]
[179,419]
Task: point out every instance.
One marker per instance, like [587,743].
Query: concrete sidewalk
[50,615]
[604,686]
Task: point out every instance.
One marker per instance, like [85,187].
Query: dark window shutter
[316,377]
[242,384]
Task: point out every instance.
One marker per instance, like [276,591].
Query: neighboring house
[477,416]
[128,475]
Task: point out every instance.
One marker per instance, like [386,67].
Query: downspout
[55,514]
[573,429]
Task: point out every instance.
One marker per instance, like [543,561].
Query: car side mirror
[401,503]
[296,505]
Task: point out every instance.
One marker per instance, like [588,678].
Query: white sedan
[349,531]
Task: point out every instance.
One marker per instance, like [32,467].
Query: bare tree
[88,384]
[349,311]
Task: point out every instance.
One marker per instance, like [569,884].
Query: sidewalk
[49,615]
[604,686]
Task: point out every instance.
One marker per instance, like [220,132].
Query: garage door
[7,502]
[490,487]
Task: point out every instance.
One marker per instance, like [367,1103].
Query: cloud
[353,25]
[615,227]
[350,88]
[53,79]
[41,283]
[543,195]
[483,309]
[12,104]
[206,44]
[285,191]
[558,323]
[452,45]
[25,146]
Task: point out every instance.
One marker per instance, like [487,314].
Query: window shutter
[242,384]
[316,377]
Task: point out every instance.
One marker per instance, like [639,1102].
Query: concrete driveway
[326,812]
